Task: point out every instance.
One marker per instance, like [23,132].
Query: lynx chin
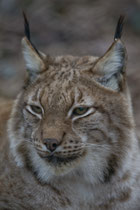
[68,141]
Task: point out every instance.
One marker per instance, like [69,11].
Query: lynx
[69,142]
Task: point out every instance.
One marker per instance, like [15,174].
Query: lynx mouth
[56,160]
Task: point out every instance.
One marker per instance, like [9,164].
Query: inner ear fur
[111,66]
[34,60]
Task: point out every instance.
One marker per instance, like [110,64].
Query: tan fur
[5,110]
[96,165]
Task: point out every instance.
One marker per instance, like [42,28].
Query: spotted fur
[96,165]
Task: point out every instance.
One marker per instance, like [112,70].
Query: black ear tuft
[26,27]
[27,32]
[119,28]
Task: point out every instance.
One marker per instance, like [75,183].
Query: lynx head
[72,114]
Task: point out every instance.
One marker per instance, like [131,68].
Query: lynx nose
[51,144]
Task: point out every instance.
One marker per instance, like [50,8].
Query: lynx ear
[111,66]
[33,58]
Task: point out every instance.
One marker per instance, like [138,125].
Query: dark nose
[51,144]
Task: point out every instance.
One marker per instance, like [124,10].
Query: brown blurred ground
[77,27]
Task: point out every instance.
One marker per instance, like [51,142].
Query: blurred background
[77,27]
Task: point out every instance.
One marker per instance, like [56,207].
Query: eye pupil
[80,110]
[36,109]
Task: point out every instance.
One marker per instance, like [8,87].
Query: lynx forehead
[63,75]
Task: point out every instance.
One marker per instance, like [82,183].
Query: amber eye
[80,110]
[36,109]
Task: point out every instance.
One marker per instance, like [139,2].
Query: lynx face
[71,114]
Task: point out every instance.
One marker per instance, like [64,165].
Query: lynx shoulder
[70,141]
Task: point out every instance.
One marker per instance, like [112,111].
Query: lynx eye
[36,109]
[80,110]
